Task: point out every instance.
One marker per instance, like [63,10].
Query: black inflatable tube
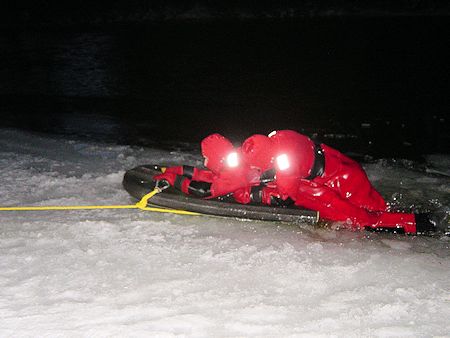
[138,182]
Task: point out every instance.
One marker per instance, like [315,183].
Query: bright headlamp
[232,160]
[282,162]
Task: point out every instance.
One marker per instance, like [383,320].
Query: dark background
[370,78]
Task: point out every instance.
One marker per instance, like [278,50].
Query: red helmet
[215,148]
[258,151]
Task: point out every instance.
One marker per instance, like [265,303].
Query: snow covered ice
[118,273]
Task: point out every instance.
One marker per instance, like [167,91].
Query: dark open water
[377,86]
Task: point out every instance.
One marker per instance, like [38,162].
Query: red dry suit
[321,178]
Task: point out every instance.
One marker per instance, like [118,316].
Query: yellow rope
[144,200]
[142,205]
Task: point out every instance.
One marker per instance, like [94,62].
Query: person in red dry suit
[224,175]
[321,178]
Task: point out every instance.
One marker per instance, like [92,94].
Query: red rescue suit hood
[215,149]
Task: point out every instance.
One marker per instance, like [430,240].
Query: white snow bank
[122,273]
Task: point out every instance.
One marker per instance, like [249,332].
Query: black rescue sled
[138,182]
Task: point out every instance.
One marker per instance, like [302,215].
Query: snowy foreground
[122,273]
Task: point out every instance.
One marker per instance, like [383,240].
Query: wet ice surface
[121,273]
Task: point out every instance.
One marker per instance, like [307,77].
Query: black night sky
[366,77]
